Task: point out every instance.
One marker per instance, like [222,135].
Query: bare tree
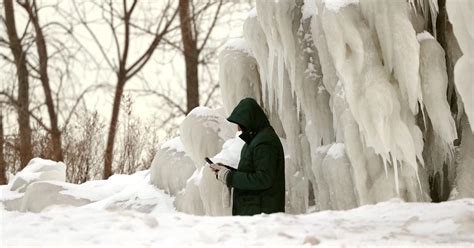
[32,10]
[3,164]
[190,36]
[123,68]
[22,102]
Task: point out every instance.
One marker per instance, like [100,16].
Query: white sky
[164,72]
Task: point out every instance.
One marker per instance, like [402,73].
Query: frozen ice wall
[371,76]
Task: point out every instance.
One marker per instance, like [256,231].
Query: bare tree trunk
[43,69]
[126,69]
[22,103]
[3,164]
[109,150]
[191,56]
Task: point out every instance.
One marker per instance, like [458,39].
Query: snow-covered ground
[137,214]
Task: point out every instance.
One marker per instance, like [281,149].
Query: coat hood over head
[249,116]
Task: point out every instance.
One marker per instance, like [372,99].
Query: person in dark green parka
[259,181]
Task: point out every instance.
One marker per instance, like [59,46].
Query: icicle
[397,180]
[400,48]
[434,84]
[372,99]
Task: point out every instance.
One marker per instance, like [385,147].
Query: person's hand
[220,171]
[216,167]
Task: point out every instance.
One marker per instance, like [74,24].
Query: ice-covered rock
[171,167]
[38,170]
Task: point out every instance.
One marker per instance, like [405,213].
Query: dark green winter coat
[259,181]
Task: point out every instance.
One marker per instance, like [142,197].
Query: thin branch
[160,95]
[78,100]
[209,97]
[213,24]
[99,45]
[138,65]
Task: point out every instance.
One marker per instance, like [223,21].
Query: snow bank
[118,192]
[392,223]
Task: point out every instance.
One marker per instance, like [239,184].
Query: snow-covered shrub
[171,167]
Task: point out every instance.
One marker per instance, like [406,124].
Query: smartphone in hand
[209,161]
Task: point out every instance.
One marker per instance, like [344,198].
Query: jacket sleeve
[265,160]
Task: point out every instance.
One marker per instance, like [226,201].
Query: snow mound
[132,192]
[38,170]
[40,195]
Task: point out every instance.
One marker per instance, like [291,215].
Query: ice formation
[203,132]
[357,91]
[238,74]
[461,16]
[371,76]
[169,160]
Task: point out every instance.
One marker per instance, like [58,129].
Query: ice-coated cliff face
[372,77]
